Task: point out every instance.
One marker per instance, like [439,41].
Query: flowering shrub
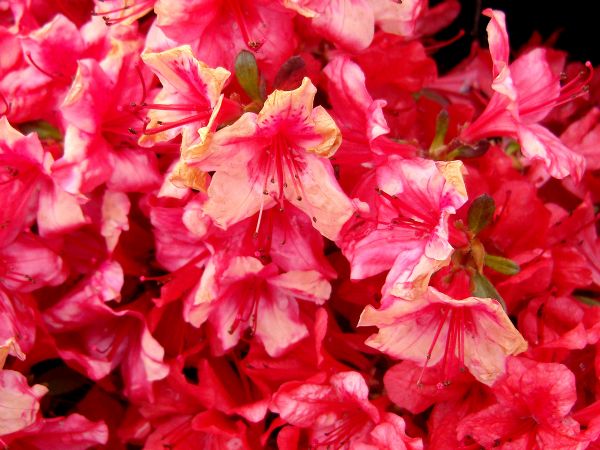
[249,224]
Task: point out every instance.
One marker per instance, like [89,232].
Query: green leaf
[43,129]
[513,148]
[470,151]
[483,288]
[587,300]
[481,213]
[502,265]
[246,72]
[441,128]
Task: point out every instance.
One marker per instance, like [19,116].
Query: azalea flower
[190,93]
[29,187]
[111,338]
[525,92]
[407,227]
[222,28]
[472,333]
[336,411]
[271,158]
[241,293]
[253,224]
[528,410]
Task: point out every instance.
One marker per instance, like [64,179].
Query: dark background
[579,36]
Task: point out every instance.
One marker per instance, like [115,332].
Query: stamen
[131,9]
[408,217]
[453,361]
[431,347]
[252,44]
[441,44]
[577,87]
[171,107]
[263,236]
[17,276]
[39,68]
[138,69]
[248,315]
[169,125]
[343,430]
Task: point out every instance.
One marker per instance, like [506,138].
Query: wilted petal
[19,403]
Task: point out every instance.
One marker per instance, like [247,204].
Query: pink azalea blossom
[222,28]
[112,338]
[525,92]
[101,134]
[28,187]
[272,158]
[473,333]
[406,230]
[241,293]
[38,81]
[336,411]
[528,411]
[190,92]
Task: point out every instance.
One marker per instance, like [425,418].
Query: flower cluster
[247,224]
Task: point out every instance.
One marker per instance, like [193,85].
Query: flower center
[349,423]
[277,166]
[248,309]
[111,342]
[453,361]
[197,112]
[407,216]
[178,434]
[7,273]
[575,88]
